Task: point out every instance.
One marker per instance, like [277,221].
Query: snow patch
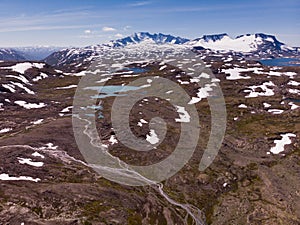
[5,176]
[202,93]
[36,154]
[264,87]
[37,122]
[279,144]
[113,139]
[235,73]
[294,91]
[266,105]
[22,67]
[294,83]
[293,106]
[30,105]
[30,162]
[162,67]
[242,106]
[275,111]
[152,137]
[184,117]
[40,77]
[23,87]
[241,44]
[141,122]
[10,87]
[20,77]
[65,110]
[50,146]
[67,87]
[5,130]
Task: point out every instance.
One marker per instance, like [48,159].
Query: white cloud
[119,35]
[47,21]
[127,28]
[136,4]
[46,27]
[90,36]
[108,29]
[87,31]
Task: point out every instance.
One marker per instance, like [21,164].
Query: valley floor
[254,179]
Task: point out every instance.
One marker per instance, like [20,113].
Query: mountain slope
[36,52]
[76,56]
[143,36]
[10,55]
[45,179]
[27,53]
[256,44]
[250,45]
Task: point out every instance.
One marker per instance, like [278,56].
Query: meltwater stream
[195,213]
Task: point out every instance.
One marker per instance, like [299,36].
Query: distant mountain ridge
[75,56]
[250,45]
[7,54]
[213,37]
[34,53]
[37,52]
[142,36]
[257,45]
[242,43]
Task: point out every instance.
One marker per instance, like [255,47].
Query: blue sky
[85,22]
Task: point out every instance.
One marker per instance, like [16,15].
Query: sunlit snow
[30,162]
[5,176]
[152,137]
[184,117]
[22,67]
[285,140]
[30,105]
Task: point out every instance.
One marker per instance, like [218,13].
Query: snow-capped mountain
[214,37]
[7,54]
[75,56]
[143,36]
[254,46]
[36,52]
[27,53]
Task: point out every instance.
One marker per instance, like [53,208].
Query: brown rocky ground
[244,185]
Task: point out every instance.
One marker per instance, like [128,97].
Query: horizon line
[134,33]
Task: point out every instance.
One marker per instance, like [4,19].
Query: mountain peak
[269,37]
[157,38]
[214,37]
[258,42]
[257,45]
[8,54]
[262,36]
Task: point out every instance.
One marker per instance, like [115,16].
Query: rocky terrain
[44,179]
